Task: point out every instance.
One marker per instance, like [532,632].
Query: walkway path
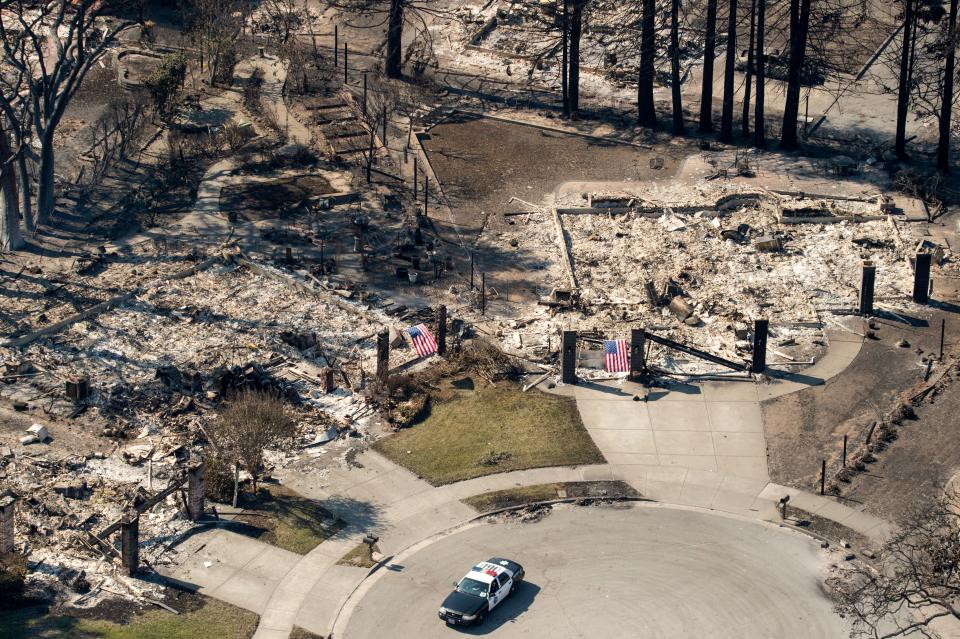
[271,94]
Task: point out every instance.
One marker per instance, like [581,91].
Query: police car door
[499,589]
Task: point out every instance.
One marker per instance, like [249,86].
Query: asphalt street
[636,571]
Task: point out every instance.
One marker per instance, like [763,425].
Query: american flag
[423,341]
[615,356]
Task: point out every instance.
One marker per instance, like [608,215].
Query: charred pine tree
[576,32]
[10,236]
[903,90]
[799,27]
[709,52]
[726,115]
[645,106]
[946,99]
[393,64]
[565,59]
[748,75]
[759,121]
[678,127]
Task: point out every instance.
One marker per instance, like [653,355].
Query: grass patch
[285,519]
[511,497]
[207,619]
[360,556]
[300,633]
[491,430]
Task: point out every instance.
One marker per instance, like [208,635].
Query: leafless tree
[395,14]
[748,74]
[215,26]
[51,48]
[799,28]
[10,236]
[675,88]
[118,130]
[281,19]
[645,104]
[917,581]
[709,50]
[947,94]
[760,123]
[250,423]
[726,115]
[904,77]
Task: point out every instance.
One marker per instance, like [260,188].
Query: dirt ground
[483,162]
[804,428]
[918,465]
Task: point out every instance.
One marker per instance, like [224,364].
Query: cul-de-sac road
[633,571]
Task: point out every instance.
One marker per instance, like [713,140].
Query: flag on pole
[423,341]
[615,356]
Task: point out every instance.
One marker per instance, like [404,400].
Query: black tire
[480,618]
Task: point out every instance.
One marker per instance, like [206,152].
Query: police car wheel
[480,618]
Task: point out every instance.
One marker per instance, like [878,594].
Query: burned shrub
[249,423]
[902,412]
[13,574]
[218,478]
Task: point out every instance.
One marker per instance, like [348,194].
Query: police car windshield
[472,587]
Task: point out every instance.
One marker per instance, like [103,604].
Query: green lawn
[213,620]
[491,430]
[285,519]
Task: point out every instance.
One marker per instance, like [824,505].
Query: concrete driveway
[636,571]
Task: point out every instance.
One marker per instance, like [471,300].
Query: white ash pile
[63,497]
[727,271]
[154,361]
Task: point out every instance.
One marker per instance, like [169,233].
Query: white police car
[480,591]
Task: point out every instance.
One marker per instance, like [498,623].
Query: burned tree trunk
[576,31]
[10,237]
[565,64]
[678,127]
[394,65]
[903,91]
[645,105]
[706,91]
[726,116]
[946,104]
[748,76]
[799,25]
[759,122]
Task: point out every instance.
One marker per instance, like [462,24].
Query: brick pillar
[441,329]
[195,490]
[568,358]
[8,507]
[637,353]
[759,363]
[383,355]
[867,281]
[921,278]
[130,541]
